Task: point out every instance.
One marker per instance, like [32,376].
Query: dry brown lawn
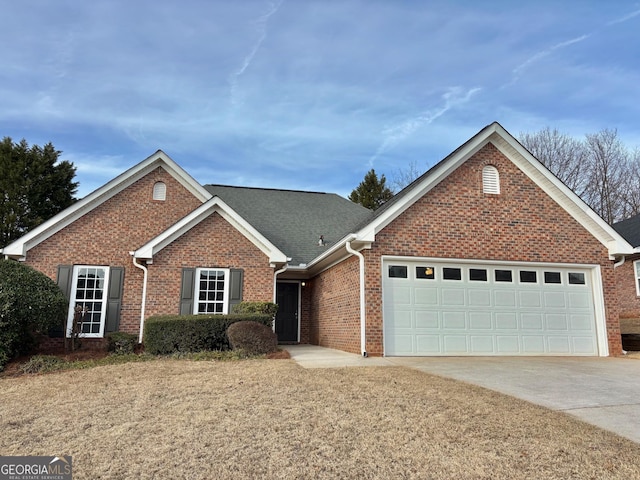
[273,419]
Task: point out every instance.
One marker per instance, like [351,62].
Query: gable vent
[159,191]
[490,180]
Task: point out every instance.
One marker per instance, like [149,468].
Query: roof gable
[215,205]
[525,161]
[18,249]
[294,220]
[630,230]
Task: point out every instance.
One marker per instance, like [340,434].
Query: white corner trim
[215,205]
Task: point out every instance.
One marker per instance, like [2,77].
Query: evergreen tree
[34,186]
[372,192]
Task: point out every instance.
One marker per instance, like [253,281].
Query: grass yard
[178,419]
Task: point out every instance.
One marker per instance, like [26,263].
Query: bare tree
[608,165]
[404,177]
[600,169]
[565,156]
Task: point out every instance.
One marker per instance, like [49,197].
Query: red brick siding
[305,313]
[212,243]
[335,307]
[107,234]
[457,220]
[627,293]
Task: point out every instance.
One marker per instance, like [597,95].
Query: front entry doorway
[287,298]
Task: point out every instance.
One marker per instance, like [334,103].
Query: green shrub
[267,308]
[121,343]
[164,335]
[30,302]
[252,337]
[42,364]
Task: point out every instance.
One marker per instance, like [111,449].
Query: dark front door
[287,316]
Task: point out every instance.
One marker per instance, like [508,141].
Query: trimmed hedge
[267,308]
[167,334]
[121,343]
[252,337]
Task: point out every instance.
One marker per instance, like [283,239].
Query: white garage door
[434,307]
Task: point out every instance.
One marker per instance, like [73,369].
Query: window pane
[451,273]
[478,274]
[425,272]
[576,278]
[527,276]
[552,277]
[503,276]
[397,271]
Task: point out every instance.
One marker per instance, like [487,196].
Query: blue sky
[308,94]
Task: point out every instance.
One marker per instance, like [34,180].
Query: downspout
[619,262]
[363,317]
[275,278]
[144,294]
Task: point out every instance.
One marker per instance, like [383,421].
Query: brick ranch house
[487,253]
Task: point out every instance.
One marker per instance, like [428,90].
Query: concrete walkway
[601,391]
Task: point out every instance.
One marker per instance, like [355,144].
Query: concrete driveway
[601,391]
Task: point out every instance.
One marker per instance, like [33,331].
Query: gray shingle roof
[630,230]
[294,220]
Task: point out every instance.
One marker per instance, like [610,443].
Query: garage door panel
[533,344]
[555,300]
[531,321]
[507,344]
[500,312]
[455,344]
[426,319]
[506,320]
[529,299]
[480,320]
[479,298]
[455,320]
[505,298]
[428,344]
[452,297]
[426,296]
[557,322]
[559,345]
[580,322]
[481,344]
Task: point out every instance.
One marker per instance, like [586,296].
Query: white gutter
[363,316]
[144,294]
[619,262]
[275,278]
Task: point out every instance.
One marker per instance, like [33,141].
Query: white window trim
[636,275]
[72,302]
[227,283]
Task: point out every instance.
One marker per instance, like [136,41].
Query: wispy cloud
[624,19]
[392,136]
[261,24]
[519,70]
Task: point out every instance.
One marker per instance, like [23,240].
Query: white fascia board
[560,193]
[438,173]
[18,249]
[147,251]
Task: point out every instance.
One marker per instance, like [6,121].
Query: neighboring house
[628,273]
[487,253]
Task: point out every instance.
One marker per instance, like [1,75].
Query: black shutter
[187,291]
[235,288]
[65,275]
[114,299]
[63,279]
